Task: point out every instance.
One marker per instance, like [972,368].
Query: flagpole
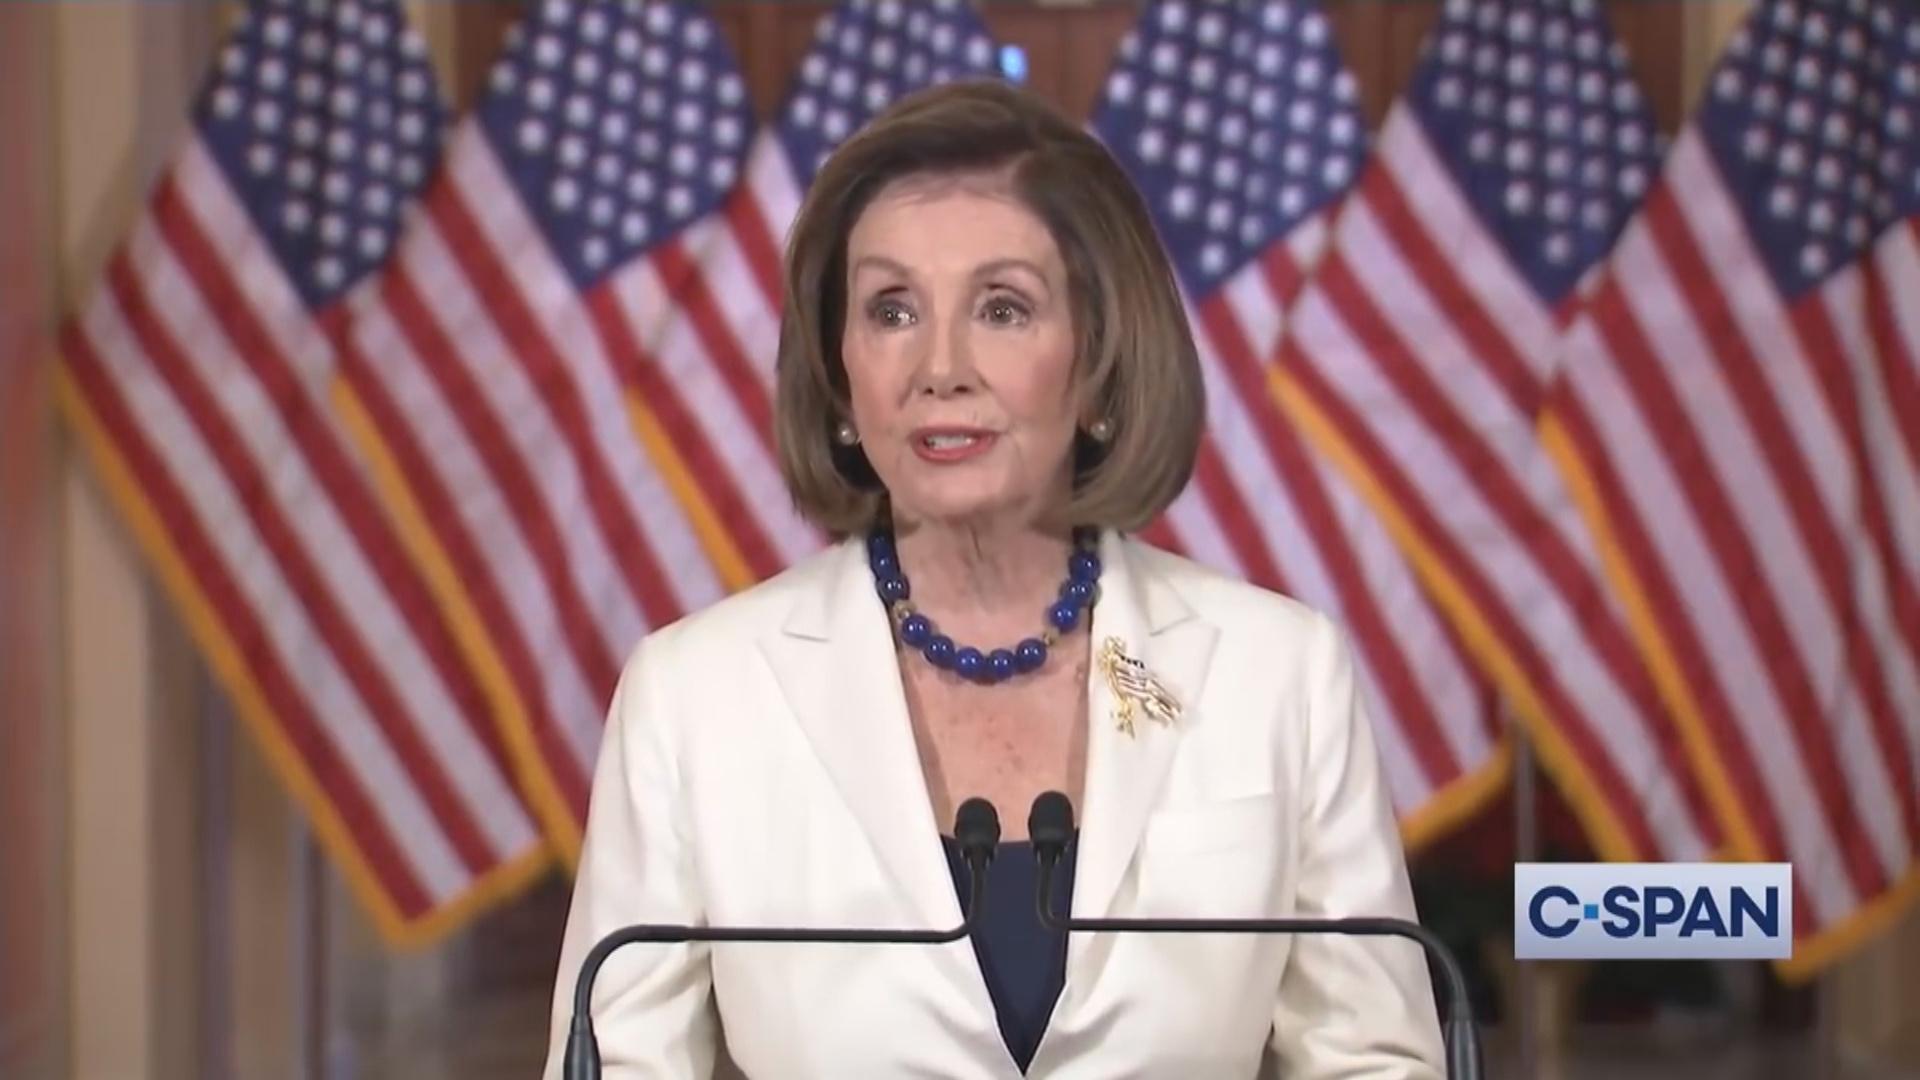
[310,966]
[1526,848]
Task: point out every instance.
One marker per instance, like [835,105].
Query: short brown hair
[1135,362]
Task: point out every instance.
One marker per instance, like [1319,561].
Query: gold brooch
[1134,687]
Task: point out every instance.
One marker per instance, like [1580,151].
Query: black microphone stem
[1461,1035]
[976,827]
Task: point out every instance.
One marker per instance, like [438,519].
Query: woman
[985,380]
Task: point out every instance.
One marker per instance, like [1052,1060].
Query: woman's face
[959,350]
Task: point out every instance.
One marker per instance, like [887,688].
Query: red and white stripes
[1753,456]
[492,384]
[199,380]
[1424,356]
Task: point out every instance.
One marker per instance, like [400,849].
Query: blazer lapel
[1150,621]
[834,660]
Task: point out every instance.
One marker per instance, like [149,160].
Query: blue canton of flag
[1237,121]
[865,55]
[1533,108]
[618,123]
[1814,116]
[325,119]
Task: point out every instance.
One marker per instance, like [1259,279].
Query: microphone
[1050,827]
[976,826]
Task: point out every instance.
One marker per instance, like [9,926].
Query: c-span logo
[1652,911]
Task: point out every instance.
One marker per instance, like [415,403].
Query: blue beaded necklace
[1077,594]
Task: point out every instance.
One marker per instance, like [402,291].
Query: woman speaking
[985,380]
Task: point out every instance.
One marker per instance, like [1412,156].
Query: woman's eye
[890,313]
[1005,311]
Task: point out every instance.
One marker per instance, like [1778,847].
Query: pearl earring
[1100,430]
[846,435]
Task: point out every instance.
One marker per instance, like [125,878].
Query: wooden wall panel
[33,984]
[1069,49]
[1654,37]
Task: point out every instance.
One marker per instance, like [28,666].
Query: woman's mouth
[945,446]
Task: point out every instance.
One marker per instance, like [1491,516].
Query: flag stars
[1160,101]
[1783,202]
[1204,73]
[593,252]
[1293,199]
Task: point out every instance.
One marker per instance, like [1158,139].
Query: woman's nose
[946,365]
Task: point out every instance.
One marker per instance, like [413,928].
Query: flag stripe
[770,195]
[1800,354]
[1232,516]
[564,359]
[707,353]
[1820,551]
[260,640]
[1881,593]
[437,737]
[372,702]
[1487,507]
[660,392]
[1895,272]
[1405,340]
[1746,626]
[1494,503]
[1479,314]
[515,592]
[1718,746]
[1318,310]
[1303,491]
[226,263]
[579,651]
[424,330]
[1895,400]
[635,565]
[725,357]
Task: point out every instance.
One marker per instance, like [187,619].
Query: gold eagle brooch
[1138,690]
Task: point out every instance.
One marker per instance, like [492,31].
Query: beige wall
[122,76]
[32,918]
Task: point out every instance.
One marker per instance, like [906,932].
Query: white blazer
[759,767]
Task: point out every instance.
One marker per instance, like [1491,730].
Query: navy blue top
[1024,963]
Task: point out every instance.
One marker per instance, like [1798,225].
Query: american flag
[1239,123]
[198,378]
[1742,401]
[713,355]
[491,362]
[1419,353]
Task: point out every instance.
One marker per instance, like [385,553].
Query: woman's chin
[958,509]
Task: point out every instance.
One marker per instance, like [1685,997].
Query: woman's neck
[983,571]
